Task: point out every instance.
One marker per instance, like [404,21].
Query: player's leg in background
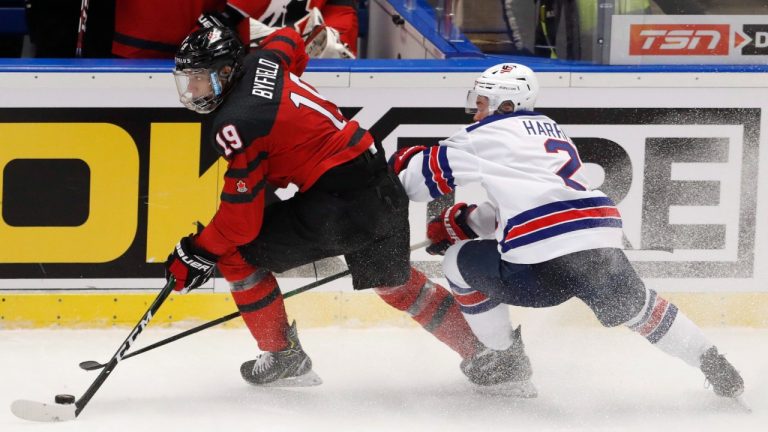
[434,309]
[609,285]
[384,264]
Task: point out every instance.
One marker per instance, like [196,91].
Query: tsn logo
[679,39]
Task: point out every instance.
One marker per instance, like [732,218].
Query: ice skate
[290,367]
[506,372]
[721,374]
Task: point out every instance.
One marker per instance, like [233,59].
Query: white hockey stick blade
[43,412]
[511,389]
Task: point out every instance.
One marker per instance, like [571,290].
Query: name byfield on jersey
[264,80]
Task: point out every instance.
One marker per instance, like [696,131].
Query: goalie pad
[325,42]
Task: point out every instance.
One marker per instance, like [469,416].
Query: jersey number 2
[570,167]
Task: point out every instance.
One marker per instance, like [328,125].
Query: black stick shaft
[120,353]
[231,316]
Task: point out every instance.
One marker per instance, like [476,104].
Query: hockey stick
[67,409]
[94,365]
[81,27]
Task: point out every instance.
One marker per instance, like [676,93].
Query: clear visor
[476,102]
[470,107]
[198,89]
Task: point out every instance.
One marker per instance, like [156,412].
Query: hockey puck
[64,399]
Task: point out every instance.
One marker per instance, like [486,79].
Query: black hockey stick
[94,365]
[69,410]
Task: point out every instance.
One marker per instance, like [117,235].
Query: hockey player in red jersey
[273,128]
[544,236]
[154,29]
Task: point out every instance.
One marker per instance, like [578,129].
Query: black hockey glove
[190,266]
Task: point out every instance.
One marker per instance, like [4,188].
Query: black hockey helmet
[208,63]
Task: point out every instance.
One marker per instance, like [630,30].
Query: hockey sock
[260,302]
[665,326]
[488,319]
[433,307]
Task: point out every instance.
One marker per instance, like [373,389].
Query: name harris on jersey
[550,129]
[264,80]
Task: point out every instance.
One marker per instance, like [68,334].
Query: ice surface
[380,379]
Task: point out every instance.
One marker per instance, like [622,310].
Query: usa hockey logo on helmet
[504,82]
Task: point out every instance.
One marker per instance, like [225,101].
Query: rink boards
[103,172]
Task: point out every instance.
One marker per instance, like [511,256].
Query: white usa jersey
[531,172]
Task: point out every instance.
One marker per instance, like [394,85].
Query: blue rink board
[14,65]
[461,56]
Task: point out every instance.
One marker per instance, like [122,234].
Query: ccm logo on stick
[679,39]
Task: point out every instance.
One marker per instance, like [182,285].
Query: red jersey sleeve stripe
[438,174]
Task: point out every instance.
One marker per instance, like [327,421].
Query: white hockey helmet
[505,82]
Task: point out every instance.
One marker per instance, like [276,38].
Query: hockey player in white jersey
[544,236]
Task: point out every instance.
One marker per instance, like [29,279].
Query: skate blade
[739,402]
[513,389]
[309,379]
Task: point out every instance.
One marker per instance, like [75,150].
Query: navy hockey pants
[604,279]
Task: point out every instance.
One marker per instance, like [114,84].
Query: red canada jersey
[273,128]
[155,29]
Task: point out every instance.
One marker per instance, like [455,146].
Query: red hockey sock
[434,308]
[261,307]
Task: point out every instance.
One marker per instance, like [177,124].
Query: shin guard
[434,308]
[260,302]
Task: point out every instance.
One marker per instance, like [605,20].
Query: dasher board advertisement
[95,196]
[689,39]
